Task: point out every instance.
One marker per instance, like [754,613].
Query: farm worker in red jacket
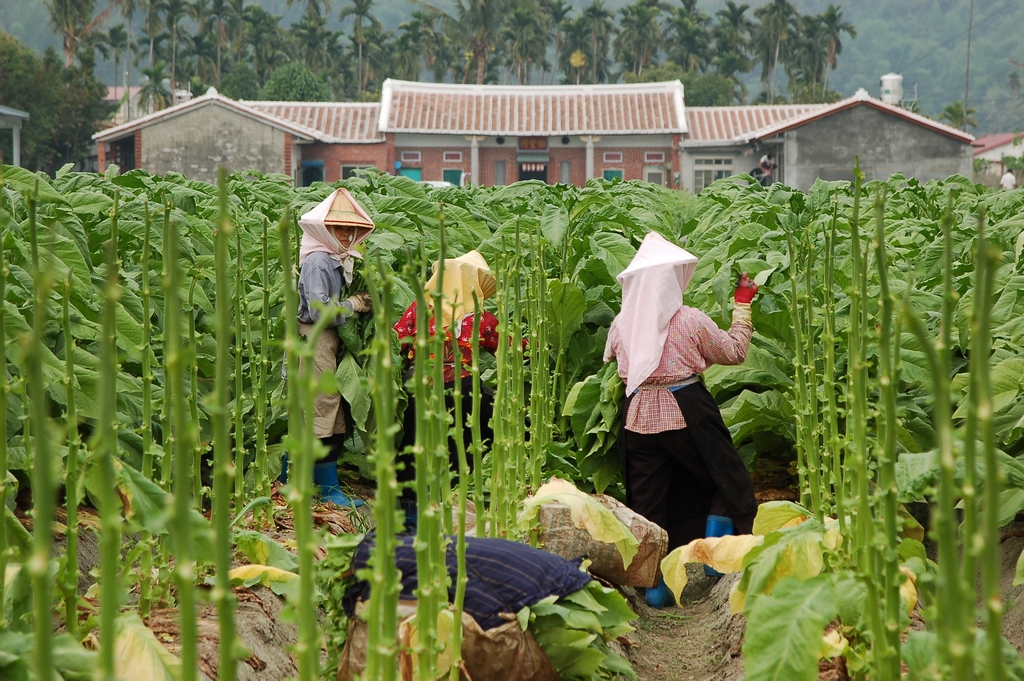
[462,276]
[330,233]
[682,470]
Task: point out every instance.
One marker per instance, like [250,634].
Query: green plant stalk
[423,452]
[482,515]
[888,378]
[223,471]
[239,388]
[802,440]
[193,398]
[987,262]
[813,427]
[185,436]
[538,372]
[165,414]
[519,471]
[304,450]
[146,559]
[439,478]
[71,472]
[955,649]
[44,486]
[833,450]
[262,464]
[499,520]
[147,373]
[856,418]
[381,655]
[105,446]
[458,430]
[4,391]
[540,356]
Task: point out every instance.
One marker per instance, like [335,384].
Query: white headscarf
[652,292]
[340,208]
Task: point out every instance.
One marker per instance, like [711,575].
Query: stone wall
[885,143]
[196,142]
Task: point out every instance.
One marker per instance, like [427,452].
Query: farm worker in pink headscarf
[327,256]
[682,470]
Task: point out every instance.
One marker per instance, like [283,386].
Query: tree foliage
[293,82]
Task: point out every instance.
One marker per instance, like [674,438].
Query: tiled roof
[716,124]
[211,98]
[861,98]
[13,113]
[990,142]
[648,108]
[335,121]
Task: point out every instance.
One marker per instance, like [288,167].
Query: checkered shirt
[693,344]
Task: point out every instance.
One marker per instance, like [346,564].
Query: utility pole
[967,76]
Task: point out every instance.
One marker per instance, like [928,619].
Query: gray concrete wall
[196,142]
[886,144]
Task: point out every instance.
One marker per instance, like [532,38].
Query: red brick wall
[632,161]
[138,148]
[488,155]
[335,156]
[432,161]
[575,155]
[288,155]
[101,162]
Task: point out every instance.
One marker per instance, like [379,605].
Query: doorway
[453,176]
[533,171]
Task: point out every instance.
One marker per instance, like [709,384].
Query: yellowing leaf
[281,582]
[724,554]
[587,514]
[408,634]
[833,644]
[775,515]
[908,589]
[139,655]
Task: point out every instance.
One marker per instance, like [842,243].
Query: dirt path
[698,640]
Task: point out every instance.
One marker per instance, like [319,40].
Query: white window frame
[710,169]
[411,157]
[614,157]
[654,157]
[452,157]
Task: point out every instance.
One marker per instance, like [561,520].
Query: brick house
[496,135]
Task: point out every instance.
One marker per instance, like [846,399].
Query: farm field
[149,323]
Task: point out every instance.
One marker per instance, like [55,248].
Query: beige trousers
[328,416]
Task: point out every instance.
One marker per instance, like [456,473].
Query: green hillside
[925,40]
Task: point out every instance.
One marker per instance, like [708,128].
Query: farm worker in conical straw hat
[327,255]
[682,470]
[461,277]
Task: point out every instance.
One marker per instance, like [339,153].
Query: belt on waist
[672,387]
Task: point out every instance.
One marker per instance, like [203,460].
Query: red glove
[746,289]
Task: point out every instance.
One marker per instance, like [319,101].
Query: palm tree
[116,38]
[575,41]
[315,9]
[263,34]
[314,43]
[475,27]
[601,27]
[152,26]
[776,23]
[690,41]
[955,115]
[833,27]
[154,94]
[525,41]
[732,33]
[75,23]
[557,11]
[639,38]
[359,10]
[174,11]
[806,62]
[216,18]
[128,9]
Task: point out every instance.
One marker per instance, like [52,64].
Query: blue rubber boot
[411,518]
[325,477]
[284,470]
[717,526]
[659,596]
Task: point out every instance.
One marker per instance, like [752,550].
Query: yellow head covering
[462,276]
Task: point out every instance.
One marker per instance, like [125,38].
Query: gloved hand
[746,289]
[360,302]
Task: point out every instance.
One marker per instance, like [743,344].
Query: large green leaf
[784,630]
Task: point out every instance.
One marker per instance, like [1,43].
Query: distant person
[767,164]
[1008,180]
[330,232]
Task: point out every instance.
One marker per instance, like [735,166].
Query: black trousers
[679,477]
[407,473]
